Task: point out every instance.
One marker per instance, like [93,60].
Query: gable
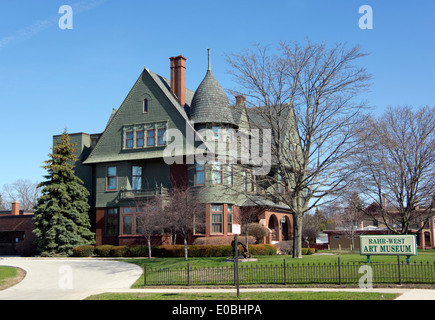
[164,111]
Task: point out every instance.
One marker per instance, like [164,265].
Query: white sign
[237,229]
[397,245]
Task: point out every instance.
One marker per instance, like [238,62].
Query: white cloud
[41,25]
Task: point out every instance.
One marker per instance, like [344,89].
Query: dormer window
[161,136]
[139,139]
[151,138]
[129,140]
[144,135]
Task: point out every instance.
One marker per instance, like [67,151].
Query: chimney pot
[240,100]
[178,78]
[15,208]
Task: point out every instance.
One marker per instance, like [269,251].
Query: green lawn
[326,258]
[247,296]
[423,255]
[7,274]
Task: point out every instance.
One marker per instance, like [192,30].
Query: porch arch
[273,225]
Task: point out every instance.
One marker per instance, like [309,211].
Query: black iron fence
[284,273]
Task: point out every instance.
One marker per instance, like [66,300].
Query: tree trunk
[185,248]
[297,235]
[149,248]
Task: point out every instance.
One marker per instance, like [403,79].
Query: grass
[248,296]
[330,257]
[10,276]
[345,256]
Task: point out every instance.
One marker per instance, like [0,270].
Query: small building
[341,239]
[16,231]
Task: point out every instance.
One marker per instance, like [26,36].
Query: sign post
[396,245]
[236,231]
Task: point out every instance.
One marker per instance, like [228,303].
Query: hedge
[169,251]
[308,251]
[104,250]
[83,251]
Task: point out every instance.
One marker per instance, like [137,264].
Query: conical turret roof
[210,103]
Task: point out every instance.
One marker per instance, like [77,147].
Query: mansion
[126,162]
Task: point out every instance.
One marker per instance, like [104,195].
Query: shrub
[284,247]
[257,231]
[139,251]
[172,251]
[308,251]
[210,251]
[221,240]
[83,251]
[103,250]
[119,251]
[262,249]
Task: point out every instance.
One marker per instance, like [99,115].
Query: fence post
[285,275]
[339,271]
[188,274]
[398,269]
[145,274]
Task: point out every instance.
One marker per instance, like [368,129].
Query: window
[139,139]
[111,179]
[161,136]
[129,140]
[230,218]
[151,138]
[145,105]
[230,174]
[199,173]
[217,133]
[136,178]
[216,172]
[216,218]
[231,133]
[112,222]
[292,150]
[127,221]
[134,219]
[278,186]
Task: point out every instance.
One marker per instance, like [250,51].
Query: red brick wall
[20,223]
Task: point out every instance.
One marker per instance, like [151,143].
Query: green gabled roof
[151,86]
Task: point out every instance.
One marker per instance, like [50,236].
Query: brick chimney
[178,78]
[240,100]
[15,208]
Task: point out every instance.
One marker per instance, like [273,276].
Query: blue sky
[52,78]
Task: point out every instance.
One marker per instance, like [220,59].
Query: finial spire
[209,60]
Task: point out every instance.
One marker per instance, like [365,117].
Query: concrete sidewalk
[78,278]
[68,279]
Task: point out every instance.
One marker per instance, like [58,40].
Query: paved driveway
[68,279]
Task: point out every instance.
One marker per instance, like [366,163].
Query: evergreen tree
[61,219]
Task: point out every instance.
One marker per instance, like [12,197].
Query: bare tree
[150,218]
[396,165]
[306,96]
[184,209]
[2,206]
[248,215]
[25,191]
[350,216]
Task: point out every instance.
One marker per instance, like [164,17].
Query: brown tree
[185,212]
[25,191]
[150,218]
[395,167]
[306,95]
